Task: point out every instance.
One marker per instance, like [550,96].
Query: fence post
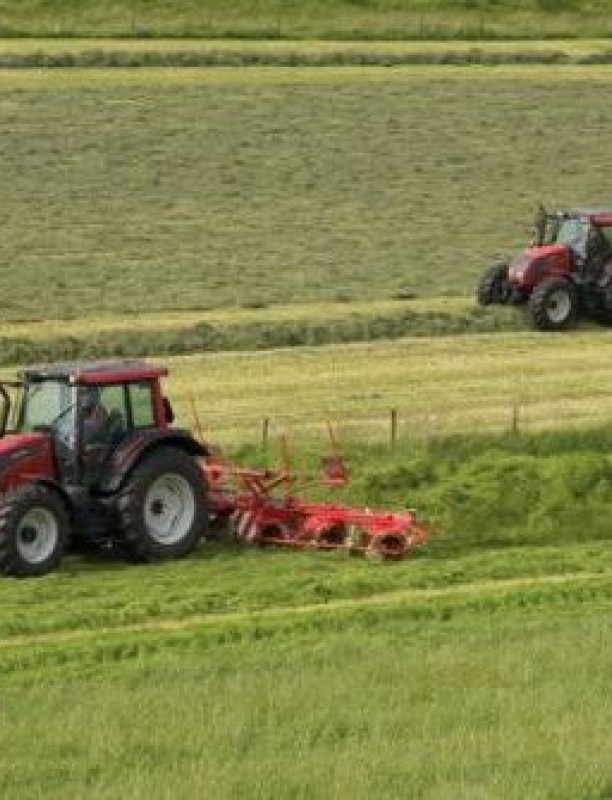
[393,428]
[514,426]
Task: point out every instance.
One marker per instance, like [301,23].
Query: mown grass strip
[118,55]
[28,46]
[144,337]
[305,197]
[240,374]
[514,592]
[265,75]
[85,650]
[335,20]
[438,384]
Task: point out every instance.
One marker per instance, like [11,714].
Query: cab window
[607,232]
[44,403]
[112,398]
[141,400]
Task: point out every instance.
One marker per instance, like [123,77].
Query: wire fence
[392,424]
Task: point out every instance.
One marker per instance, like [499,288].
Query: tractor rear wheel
[553,305]
[493,287]
[34,531]
[162,507]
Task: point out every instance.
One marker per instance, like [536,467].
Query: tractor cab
[74,415]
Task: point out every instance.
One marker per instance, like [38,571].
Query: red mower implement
[264,507]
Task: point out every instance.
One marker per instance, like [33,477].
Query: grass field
[454,694]
[440,707]
[162,211]
[314,19]
[24,53]
[234,187]
[439,385]
[478,668]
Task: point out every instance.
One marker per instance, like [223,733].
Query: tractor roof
[120,371]
[599,216]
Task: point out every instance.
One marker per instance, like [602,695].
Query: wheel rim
[170,508]
[558,306]
[37,535]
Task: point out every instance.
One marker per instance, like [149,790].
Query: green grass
[24,53]
[269,197]
[209,188]
[316,19]
[451,696]
[477,668]
[245,330]
[383,707]
[439,385]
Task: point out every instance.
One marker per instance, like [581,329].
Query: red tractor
[566,271]
[87,450]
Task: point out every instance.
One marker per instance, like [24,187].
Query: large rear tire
[493,287]
[553,305]
[162,507]
[34,531]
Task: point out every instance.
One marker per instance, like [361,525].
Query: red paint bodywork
[26,457]
[264,509]
[537,263]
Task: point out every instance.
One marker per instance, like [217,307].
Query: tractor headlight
[517,268]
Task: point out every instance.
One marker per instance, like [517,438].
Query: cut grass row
[232,330]
[117,53]
[93,599]
[339,19]
[183,189]
[451,702]
[572,48]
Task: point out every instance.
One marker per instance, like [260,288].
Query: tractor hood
[536,263]
[13,442]
[24,453]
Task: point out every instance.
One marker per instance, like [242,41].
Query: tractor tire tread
[537,305]
[139,545]
[492,288]
[13,506]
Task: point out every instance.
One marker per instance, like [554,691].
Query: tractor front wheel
[34,531]
[553,305]
[162,507]
[493,287]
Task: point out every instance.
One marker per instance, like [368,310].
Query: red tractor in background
[564,273]
[87,450]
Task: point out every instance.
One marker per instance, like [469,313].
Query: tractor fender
[61,493]
[139,445]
